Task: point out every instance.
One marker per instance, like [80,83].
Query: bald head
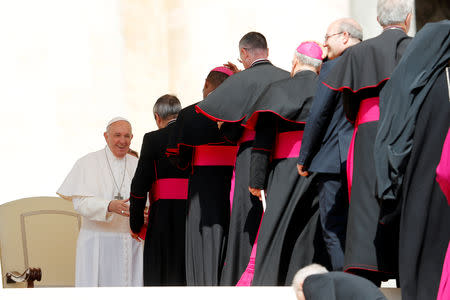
[341,34]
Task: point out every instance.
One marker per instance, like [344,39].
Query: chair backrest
[39,232]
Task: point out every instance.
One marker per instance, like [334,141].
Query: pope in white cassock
[99,186]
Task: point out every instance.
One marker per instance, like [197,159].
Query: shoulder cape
[401,100]
[290,99]
[232,100]
[369,63]
[340,285]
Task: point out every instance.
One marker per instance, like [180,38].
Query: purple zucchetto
[310,49]
[224,70]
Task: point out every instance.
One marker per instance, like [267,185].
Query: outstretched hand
[232,67]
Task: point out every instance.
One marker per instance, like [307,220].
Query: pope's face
[118,138]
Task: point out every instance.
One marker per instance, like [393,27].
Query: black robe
[414,122]
[371,248]
[340,286]
[208,207]
[230,102]
[164,249]
[288,237]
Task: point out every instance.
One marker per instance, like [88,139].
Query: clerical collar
[302,71]
[260,61]
[170,122]
[393,27]
[111,155]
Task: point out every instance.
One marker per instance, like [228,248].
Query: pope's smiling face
[118,137]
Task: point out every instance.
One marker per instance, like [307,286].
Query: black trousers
[333,208]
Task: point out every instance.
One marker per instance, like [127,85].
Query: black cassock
[371,248]
[230,103]
[198,147]
[413,127]
[167,186]
[290,236]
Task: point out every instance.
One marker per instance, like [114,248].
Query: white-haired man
[360,73]
[99,186]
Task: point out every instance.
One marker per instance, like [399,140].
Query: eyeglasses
[328,36]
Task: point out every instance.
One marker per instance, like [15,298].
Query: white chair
[38,233]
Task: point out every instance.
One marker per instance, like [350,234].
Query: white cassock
[106,253]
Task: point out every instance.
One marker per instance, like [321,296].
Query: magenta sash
[210,155]
[167,188]
[443,169]
[170,188]
[444,286]
[247,135]
[247,277]
[369,111]
[288,144]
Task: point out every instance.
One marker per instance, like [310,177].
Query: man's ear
[105,135]
[408,22]
[346,37]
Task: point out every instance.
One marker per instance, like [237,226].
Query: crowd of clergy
[343,162]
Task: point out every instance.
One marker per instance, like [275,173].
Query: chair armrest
[30,275]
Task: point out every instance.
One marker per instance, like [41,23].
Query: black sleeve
[319,118]
[141,185]
[232,132]
[266,129]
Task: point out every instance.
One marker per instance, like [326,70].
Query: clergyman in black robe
[198,147]
[371,248]
[290,231]
[167,186]
[230,103]
[412,132]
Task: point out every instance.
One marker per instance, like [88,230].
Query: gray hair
[391,12]
[167,106]
[350,27]
[313,62]
[303,273]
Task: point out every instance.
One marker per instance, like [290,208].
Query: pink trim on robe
[443,169]
[287,145]
[444,286]
[247,135]
[369,111]
[210,155]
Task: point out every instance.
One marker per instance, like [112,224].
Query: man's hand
[219,124]
[135,236]
[302,170]
[232,67]
[255,192]
[119,207]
